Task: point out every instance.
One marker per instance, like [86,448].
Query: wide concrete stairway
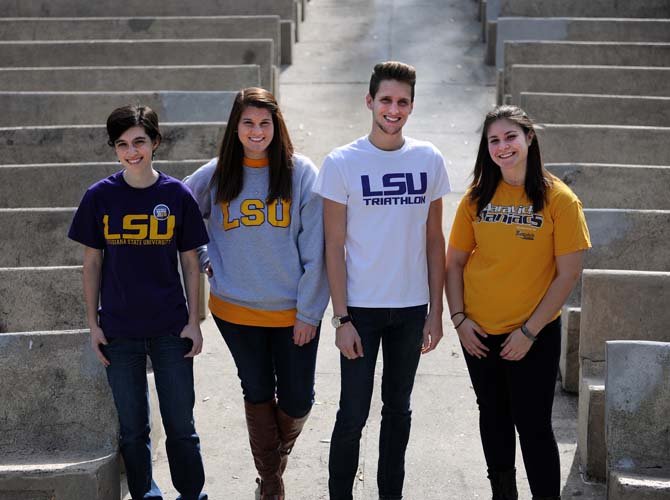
[64,65]
[595,75]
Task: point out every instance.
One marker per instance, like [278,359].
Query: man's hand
[432,332]
[98,339]
[303,333]
[192,331]
[348,341]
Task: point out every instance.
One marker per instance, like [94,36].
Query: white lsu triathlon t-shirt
[388,195]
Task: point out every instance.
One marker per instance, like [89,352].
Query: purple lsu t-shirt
[140,232]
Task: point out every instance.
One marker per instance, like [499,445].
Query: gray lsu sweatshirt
[268,257]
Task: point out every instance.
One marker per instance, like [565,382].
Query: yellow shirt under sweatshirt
[513,250]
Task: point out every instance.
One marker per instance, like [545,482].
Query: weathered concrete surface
[37,237]
[616,305]
[569,361]
[590,428]
[41,299]
[602,144]
[585,53]
[81,108]
[82,478]
[575,29]
[139,28]
[286,9]
[637,428]
[621,239]
[88,143]
[130,78]
[616,186]
[193,52]
[63,184]
[571,79]
[579,8]
[628,486]
[597,109]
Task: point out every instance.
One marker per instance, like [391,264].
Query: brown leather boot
[289,430]
[264,442]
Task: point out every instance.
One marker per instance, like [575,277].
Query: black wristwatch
[338,321]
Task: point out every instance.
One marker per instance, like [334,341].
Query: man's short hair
[392,70]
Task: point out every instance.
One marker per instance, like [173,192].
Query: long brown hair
[228,177]
[487,175]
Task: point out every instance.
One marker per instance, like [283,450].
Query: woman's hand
[469,333]
[208,269]
[303,333]
[516,346]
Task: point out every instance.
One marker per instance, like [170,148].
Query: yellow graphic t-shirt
[513,250]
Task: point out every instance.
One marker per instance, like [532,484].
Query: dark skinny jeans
[520,394]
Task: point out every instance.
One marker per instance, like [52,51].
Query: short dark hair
[487,174]
[392,70]
[228,177]
[125,117]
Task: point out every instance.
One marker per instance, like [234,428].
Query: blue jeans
[400,332]
[127,376]
[269,364]
[520,395]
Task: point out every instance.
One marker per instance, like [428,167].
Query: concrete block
[571,79]
[591,429]
[64,184]
[603,144]
[579,8]
[140,28]
[192,52]
[597,109]
[37,237]
[627,486]
[585,53]
[130,78]
[80,108]
[637,404]
[638,391]
[62,144]
[622,305]
[616,186]
[288,38]
[41,299]
[569,360]
[576,29]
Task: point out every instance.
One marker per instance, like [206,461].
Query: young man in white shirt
[385,260]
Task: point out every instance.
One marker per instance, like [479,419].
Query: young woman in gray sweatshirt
[265,262]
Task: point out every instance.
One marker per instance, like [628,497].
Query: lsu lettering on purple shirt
[140,232]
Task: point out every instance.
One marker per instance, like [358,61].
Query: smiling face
[255,131]
[134,149]
[508,146]
[390,107]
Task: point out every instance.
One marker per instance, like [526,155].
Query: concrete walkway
[322,97]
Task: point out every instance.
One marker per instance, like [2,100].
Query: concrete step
[572,29]
[88,143]
[584,53]
[579,8]
[130,78]
[566,79]
[41,299]
[80,108]
[601,185]
[597,109]
[64,184]
[193,52]
[605,144]
[616,305]
[139,28]
[637,406]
